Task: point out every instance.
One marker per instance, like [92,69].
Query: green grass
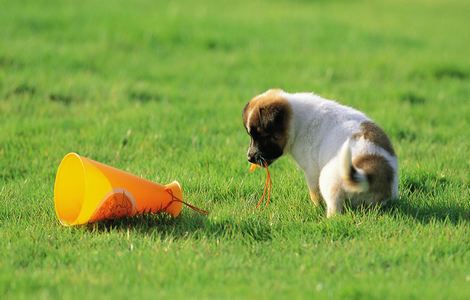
[158,89]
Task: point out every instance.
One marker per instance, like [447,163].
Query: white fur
[248,121]
[319,129]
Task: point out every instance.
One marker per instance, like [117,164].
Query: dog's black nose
[253,158]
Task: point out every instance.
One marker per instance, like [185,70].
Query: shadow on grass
[421,200]
[426,213]
[188,225]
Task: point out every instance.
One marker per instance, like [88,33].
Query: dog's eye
[256,134]
[263,136]
[275,136]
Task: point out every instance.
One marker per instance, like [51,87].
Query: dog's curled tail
[354,179]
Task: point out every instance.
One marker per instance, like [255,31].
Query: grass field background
[157,89]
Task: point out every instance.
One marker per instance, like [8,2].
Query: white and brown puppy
[345,156]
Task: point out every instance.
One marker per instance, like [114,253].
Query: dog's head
[267,119]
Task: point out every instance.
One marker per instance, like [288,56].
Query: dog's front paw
[315,197]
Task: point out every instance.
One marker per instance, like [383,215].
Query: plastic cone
[87,191]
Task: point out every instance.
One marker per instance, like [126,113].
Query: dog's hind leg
[334,198]
[331,189]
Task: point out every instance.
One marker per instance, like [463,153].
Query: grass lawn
[157,89]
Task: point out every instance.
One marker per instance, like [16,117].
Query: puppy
[344,155]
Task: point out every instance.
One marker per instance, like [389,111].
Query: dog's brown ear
[274,118]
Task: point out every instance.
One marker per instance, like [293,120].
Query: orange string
[268,184]
[176,199]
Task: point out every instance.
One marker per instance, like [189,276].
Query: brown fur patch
[371,132]
[379,174]
[269,114]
